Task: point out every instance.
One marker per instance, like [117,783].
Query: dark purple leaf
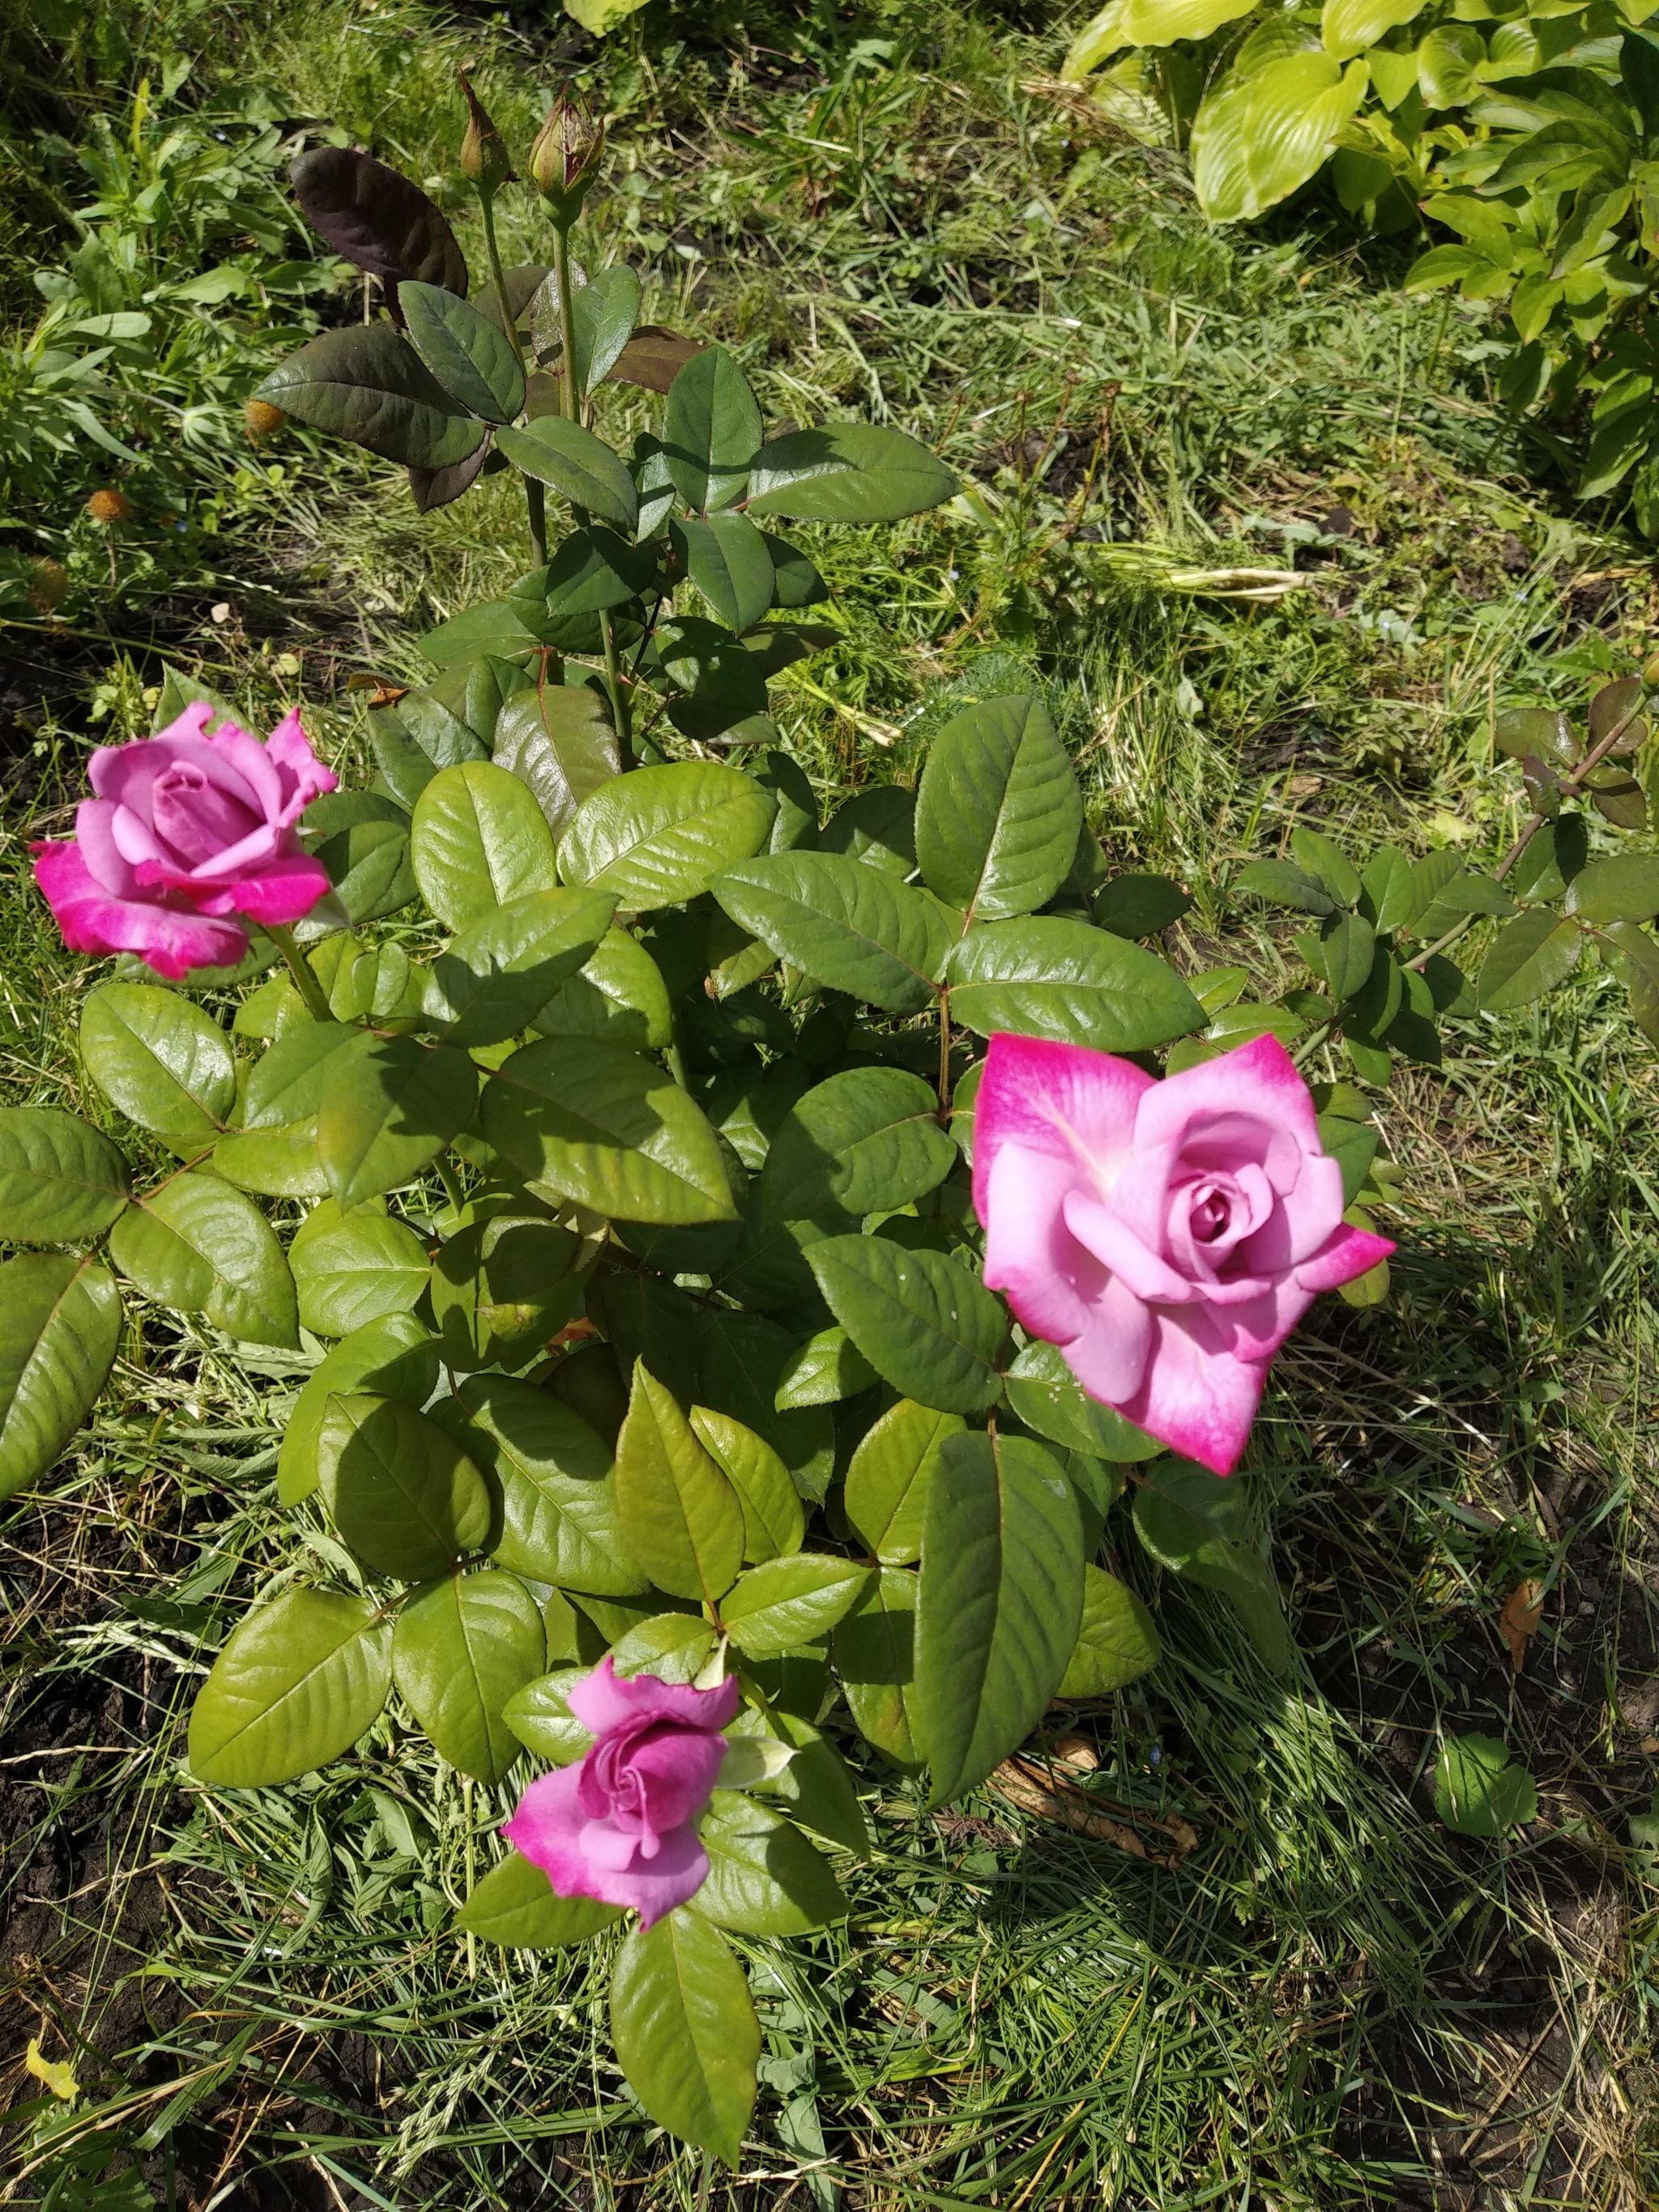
[377,219]
[430,488]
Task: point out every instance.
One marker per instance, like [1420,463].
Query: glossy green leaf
[826,1369]
[619,996]
[278,1163]
[608,1130]
[1624,888]
[1323,859]
[685,2029]
[478,840]
[877,825]
[540,1716]
[1191,1522]
[728,563]
[711,431]
[462,1647]
[400,1489]
[849,927]
[680,1516]
[999,811]
[1479,1791]
[795,582]
[299,1681]
[364,1267]
[59,1179]
[393,1357]
[866,1140]
[847,473]
[558,739]
[1529,956]
[774,1520]
[1349,27]
[1347,950]
[1046,977]
[501,970]
[514,1906]
[887,1479]
[503,1285]
[1048,1397]
[559,1517]
[1390,887]
[876,1664]
[743,1357]
[60,1322]
[654,838]
[1000,1602]
[1286,884]
[764,1878]
[166,1064]
[788,1601]
[579,466]
[721,676]
[473,361]
[603,314]
[1116,1642]
[389,1105]
[1139,905]
[198,1245]
[927,1326]
[593,569]
[285,1084]
[815,1786]
[365,383]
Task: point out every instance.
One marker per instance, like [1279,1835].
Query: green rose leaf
[774,1520]
[513,1904]
[722,676]
[764,1878]
[579,466]
[608,1130]
[619,996]
[847,473]
[166,1064]
[685,2029]
[849,927]
[887,1477]
[59,1179]
[389,1105]
[1284,885]
[654,838]
[357,1271]
[795,582]
[296,1684]
[1139,905]
[1000,1601]
[461,1648]
[558,739]
[676,1647]
[593,569]
[366,384]
[1116,1642]
[875,1649]
[540,1716]
[501,970]
[728,561]
[826,1369]
[999,812]
[680,1516]
[1047,1397]
[502,1286]
[1046,977]
[1529,956]
[602,318]
[400,1491]
[711,431]
[473,360]
[790,1601]
[1479,1791]
[479,840]
[867,1140]
[393,1358]
[1191,1522]
[815,1785]
[1625,888]
[198,1245]
[60,1322]
[925,1324]
[560,1519]
[743,1358]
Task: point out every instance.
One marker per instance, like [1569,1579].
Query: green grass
[1332,2001]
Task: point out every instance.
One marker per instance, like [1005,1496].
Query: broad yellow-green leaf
[1256,139]
[1348,27]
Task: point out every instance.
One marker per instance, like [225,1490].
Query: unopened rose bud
[484,155]
[263,420]
[567,153]
[110,507]
[48,585]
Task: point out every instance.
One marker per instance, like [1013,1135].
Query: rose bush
[1168,1236]
[621,1827]
[190,835]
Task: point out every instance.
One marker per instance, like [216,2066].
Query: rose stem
[305,976]
[535,495]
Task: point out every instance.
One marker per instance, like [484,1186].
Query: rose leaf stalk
[484,158]
[305,978]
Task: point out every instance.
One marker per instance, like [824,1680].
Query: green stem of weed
[305,979]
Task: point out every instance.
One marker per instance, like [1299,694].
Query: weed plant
[1332,2001]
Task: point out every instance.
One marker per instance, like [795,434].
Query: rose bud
[564,158]
[484,155]
[108,506]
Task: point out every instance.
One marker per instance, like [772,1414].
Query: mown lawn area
[1254,1970]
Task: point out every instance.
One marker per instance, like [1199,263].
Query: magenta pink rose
[622,1826]
[189,835]
[1168,1237]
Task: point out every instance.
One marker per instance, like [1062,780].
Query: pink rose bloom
[1168,1237]
[187,832]
[621,1826]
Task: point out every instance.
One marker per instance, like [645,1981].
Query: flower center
[194,816]
[1212,1216]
